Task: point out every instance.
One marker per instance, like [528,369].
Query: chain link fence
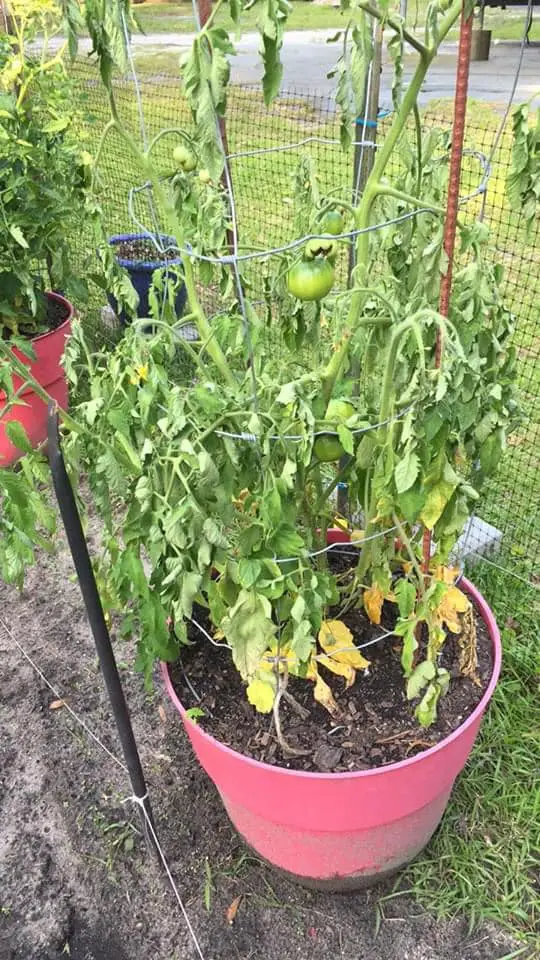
[265,147]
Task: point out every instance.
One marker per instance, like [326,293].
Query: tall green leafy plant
[219,494]
[43,171]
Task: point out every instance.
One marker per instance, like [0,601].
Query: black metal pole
[87,582]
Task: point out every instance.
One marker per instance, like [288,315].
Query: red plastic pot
[341,830]
[48,371]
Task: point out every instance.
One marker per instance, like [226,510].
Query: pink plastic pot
[47,370]
[341,830]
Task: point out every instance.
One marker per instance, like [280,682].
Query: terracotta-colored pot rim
[493,630]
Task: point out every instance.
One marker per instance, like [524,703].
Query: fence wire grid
[307,125]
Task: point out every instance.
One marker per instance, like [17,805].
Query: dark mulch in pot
[142,251]
[56,313]
[377,726]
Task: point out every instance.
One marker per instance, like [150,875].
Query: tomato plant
[219,492]
[44,172]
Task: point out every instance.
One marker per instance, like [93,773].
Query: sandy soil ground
[76,877]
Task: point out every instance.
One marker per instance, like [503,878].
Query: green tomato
[318,247]
[339,411]
[184,158]
[332,222]
[310,279]
[327,448]
[204,175]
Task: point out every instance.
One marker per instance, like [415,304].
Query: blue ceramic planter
[140,274]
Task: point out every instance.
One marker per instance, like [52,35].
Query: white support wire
[261,151]
[59,696]
[139,801]
[270,659]
[253,438]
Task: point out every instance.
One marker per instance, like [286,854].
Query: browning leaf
[373,601]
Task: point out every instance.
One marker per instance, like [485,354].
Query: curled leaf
[338,642]
[373,601]
[341,669]
[232,910]
[325,697]
[453,602]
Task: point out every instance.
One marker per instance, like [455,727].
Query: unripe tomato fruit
[327,448]
[184,158]
[204,175]
[332,222]
[339,410]
[318,247]
[310,279]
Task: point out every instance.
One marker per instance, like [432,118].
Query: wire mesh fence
[265,148]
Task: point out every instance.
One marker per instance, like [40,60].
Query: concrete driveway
[307,58]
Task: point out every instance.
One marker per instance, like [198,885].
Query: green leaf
[271,29]
[420,677]
[250,539]
[426,711]
[213,534]
[191,583]
[411,502]
[249,630]
[249,571]
[365,451]
[406,471]
[18,436]
[436,500]
[346,438]
[18,236]
[405,592]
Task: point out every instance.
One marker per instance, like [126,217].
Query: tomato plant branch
[396,26]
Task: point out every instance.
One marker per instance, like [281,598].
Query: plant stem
[395,26]
[408,546]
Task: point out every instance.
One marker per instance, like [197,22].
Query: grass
[484,861]
[305,15]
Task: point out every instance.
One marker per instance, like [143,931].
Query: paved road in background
[307,58]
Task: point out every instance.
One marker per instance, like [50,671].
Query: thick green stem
[386,191]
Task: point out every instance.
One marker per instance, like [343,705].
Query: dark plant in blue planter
[137,253]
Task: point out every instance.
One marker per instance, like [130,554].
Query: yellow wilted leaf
[357,536]
[325,697]
[373,601]
[261,694]
[453,602]
[342,669]
[341,522]
[338,642]
[446,574]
